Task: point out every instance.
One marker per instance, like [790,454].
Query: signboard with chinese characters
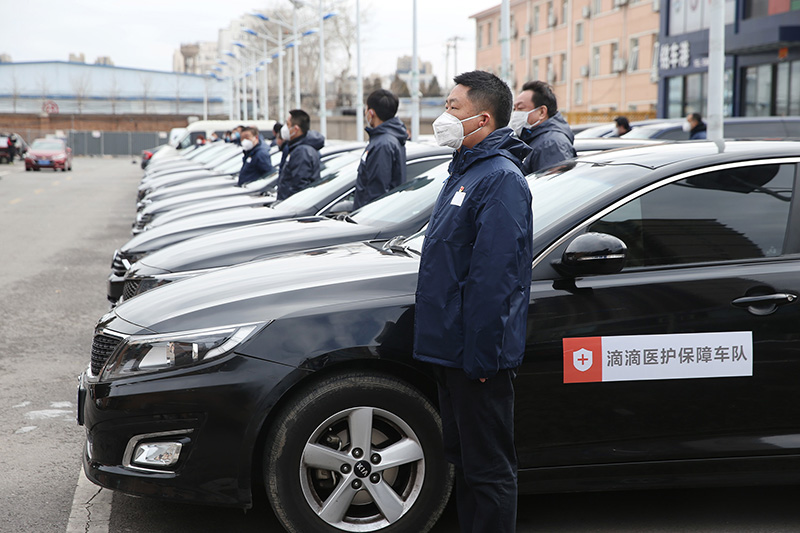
[648,357]
[674,55]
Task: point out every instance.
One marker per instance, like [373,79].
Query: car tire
[27,169]
[308,485]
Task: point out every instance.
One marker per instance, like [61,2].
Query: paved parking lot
[58,233]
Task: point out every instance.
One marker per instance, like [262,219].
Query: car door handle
[769,299]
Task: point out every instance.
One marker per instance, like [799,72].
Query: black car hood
[288,285]
[213,182]
[231,189]
[231,247]
[194,226]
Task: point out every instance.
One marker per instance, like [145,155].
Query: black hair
[487,91]
[300,118]
[228,132]
[276,128]
[623,122]
[697,117]
[252,130]
[384,103]
[542,96]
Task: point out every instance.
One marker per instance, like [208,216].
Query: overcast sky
[145,33]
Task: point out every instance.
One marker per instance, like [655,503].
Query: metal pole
[505,42]
[716,69]
[359,79]
[266,82]
[230,97]
[255,86]
[415,83]
[244,86]
[281,51]
[296,60]
[323,108]
[205,98]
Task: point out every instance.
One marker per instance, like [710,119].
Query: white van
[204,128]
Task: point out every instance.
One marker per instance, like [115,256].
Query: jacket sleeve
[263,162]
[498,273]
[378,169]
[553,152]
[301,167]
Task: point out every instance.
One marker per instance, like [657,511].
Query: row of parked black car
[262,344]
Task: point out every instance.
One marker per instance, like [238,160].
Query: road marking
[26,429]
[68,178]
[15,201]
[56,183]
[91,508]
[38,191]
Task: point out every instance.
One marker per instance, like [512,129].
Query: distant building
[762,58]
[76,88]
[77,58]
[597,54]
[404,71]
[196,58]
[104,60]
[5,58]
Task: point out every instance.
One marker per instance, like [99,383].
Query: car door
[712,261]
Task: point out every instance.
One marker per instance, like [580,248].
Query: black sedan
[662,350]
[332,194]
[401,212]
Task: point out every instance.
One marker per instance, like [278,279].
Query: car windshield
[570,187]
[596,131]
[337,171]
[647,132]
[406,201]
[47,145]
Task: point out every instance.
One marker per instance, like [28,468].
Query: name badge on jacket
[458,197]
[249,159]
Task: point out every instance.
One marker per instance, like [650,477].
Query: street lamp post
[359,79]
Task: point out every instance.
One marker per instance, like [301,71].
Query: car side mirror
[345,206]
[592,253]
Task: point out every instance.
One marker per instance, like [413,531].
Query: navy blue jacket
[383,165]
[550,142]
[300,167]
[255,164]
[699,132]
[475,273]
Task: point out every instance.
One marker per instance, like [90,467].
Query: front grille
[131,288]
[102,348]
[142,221]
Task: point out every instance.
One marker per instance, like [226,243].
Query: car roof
[693,153]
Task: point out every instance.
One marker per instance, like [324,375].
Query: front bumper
[215,413]
[115,286]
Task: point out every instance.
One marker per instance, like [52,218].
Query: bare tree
[147,84]
[80,87]
[113,93]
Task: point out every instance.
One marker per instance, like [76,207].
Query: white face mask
[686,126]
[519,120]
[285,135]
[247,145]
[448,130]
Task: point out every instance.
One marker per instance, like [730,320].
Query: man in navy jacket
[472,297]
[544,128]
[383,164]
[301,165]
[256,162]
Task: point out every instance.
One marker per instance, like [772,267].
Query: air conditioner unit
[618,65]
[586,12]
[585,71]
[551,20]
[528,29]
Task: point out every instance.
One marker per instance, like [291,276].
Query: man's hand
[483,380]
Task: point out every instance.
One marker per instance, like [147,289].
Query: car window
[419,193]
[754,129]
[673,134]
[738,213]
[331,180]
[47,145]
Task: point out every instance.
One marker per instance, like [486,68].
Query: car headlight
[151,282]
[146,354]
[60,157]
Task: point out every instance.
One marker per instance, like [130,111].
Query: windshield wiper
[395,244]
[346,217]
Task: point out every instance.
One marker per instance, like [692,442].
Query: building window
[550,15]
[499,30]
[564,68]
[579,92]
[633,56]
[489,34]
[479,36]
[564,10]
[794,105]
[614,56]
[535,69]
[549,72]
[536,18]
[694,92]
[675,97]
[579,33]
[758,91]
[523,47]
[598,7]
[596,61]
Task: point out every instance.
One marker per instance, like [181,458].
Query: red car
[48,153]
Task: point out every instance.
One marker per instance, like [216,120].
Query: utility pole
[415,83]
[716,69]
[505,41]
[359,79]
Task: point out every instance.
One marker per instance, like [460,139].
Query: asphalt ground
[58,231]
